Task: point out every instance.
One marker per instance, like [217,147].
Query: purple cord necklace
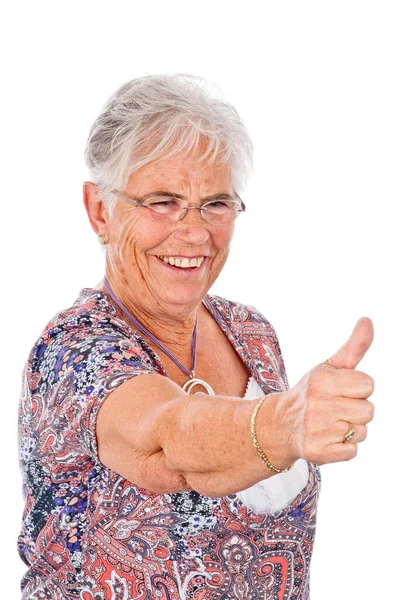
[192,381]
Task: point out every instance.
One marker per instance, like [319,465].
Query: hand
[320,407]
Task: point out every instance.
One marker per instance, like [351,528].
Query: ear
[95,208]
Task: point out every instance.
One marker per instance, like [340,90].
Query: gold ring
[350,433]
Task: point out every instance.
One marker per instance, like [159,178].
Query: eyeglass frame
[135,202]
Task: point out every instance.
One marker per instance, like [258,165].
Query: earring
[101,239]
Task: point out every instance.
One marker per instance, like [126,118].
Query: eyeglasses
[222,210]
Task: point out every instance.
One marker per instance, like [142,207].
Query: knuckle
[371,385]
[328,362]
[368,382]
[352,452]
[370,411]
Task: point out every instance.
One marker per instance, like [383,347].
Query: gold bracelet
[257,445]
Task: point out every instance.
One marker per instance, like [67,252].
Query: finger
[342,428]
[353,410]
[350,383]
[338,452]
[353,351]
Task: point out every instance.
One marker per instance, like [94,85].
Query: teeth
[183,263]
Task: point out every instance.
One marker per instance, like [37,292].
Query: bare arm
[160,438]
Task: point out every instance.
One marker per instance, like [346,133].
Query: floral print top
[90,534]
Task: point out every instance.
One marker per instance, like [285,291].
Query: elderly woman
[163,453]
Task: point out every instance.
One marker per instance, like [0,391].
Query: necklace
[192,381]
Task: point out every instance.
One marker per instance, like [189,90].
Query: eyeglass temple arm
[124,196]
[241,201]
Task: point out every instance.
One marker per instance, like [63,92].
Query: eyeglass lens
[217,212]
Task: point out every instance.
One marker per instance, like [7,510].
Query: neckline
[209,302]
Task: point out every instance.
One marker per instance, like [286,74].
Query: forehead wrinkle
[180,187]
[180,179]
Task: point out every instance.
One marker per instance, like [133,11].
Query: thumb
[353,351]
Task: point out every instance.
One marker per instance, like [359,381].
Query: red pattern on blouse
[90,534]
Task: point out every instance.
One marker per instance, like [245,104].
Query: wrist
[271,436]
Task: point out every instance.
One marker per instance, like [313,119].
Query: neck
[174,330]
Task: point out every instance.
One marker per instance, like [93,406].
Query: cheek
[222,240]
[134,237]
[124,240]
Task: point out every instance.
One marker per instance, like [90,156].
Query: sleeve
[273,370]
[75,367]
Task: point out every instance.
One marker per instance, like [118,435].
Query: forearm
[207,440]
[157,436]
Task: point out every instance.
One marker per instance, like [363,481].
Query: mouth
[183,264]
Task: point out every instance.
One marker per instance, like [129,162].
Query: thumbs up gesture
[317,414]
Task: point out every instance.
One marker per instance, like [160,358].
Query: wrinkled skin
[166,302]
[313,416]
[308,421]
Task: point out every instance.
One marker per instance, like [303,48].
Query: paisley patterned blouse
[90,534]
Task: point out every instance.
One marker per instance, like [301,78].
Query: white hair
[158,116]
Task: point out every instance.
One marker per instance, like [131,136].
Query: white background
[316,84]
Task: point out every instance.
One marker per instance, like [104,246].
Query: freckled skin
[166,440]
[164,301]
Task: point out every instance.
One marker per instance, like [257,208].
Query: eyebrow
[163,194]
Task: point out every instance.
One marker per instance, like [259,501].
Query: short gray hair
[156,117]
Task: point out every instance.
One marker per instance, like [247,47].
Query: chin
[183,298]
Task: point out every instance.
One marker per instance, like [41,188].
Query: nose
[192,228]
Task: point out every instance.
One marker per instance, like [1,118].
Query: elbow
[149,472]
[161,479]
[206,484]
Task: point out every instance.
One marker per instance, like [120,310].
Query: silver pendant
[191,383]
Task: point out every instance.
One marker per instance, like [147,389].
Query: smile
[182,263]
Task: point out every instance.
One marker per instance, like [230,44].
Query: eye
[163,205]
[218,205]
